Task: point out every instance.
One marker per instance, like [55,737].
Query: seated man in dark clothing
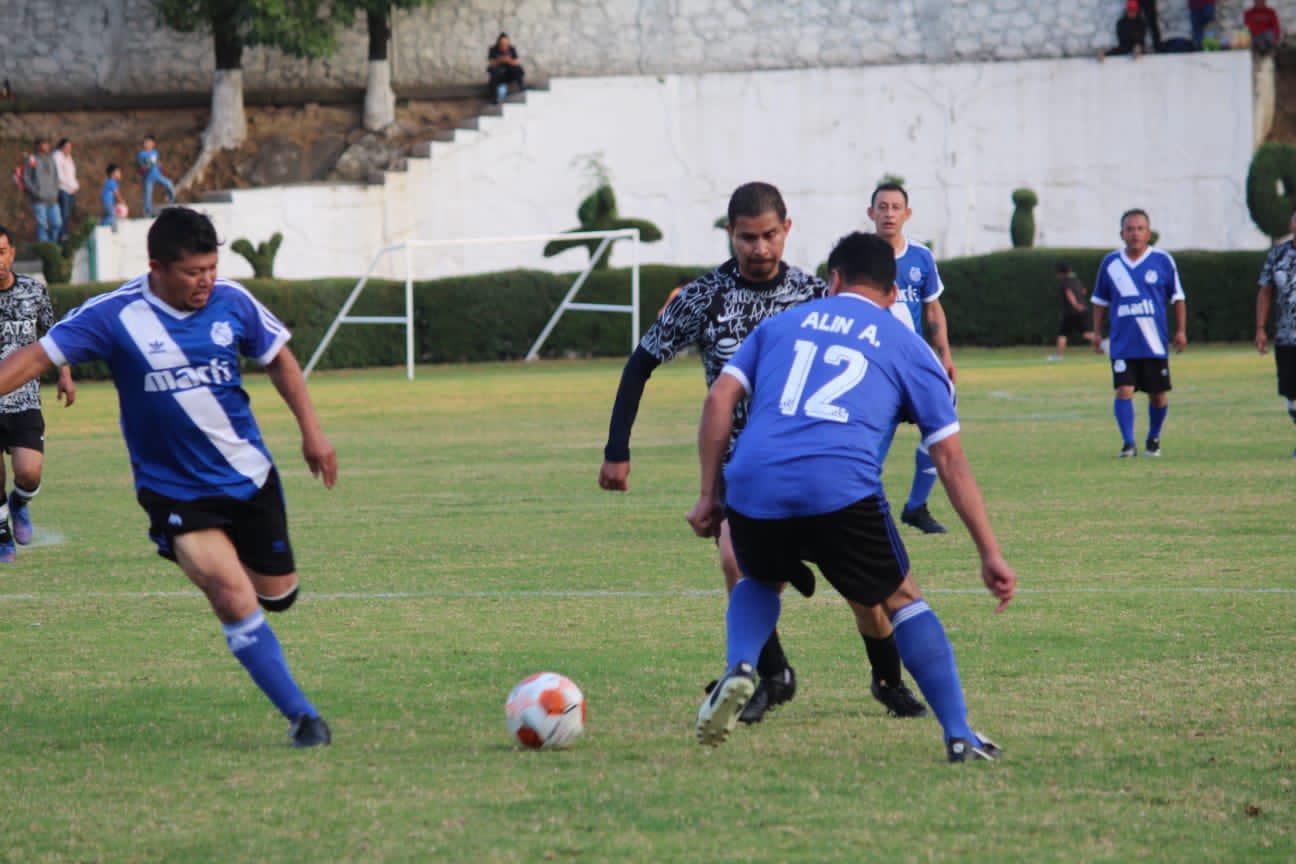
[1131,32]
[503,66]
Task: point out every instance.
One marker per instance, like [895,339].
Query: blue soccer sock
[750,619]
[929,657]
[923,481]
[257,648]
[1124,410]
[1156,419]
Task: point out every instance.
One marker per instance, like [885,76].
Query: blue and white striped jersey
[917,283]
[186,418]
[1139,295]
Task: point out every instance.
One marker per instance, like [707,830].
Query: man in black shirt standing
[1075,312]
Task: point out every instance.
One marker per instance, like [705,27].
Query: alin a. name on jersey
[1139,294]
[828,382]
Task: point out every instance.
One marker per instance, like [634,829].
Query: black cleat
[921,518]
[772,691]
[1152,447]
[1129,451]
[718,714]
[310,732]
[980,750]
[898,700]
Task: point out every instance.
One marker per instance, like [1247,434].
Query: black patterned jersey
[719,310]
[1280,271]
[25,308]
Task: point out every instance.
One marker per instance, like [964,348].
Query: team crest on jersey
[222,334]
[1118,366]
[915,274]
[1150,277]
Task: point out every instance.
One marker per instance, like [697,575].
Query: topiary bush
[262,257]
[57,258]
[598,212]
[1271,188]
[1022,227]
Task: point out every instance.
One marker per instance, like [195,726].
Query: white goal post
[605,238]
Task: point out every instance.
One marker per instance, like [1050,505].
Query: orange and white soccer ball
[545,711]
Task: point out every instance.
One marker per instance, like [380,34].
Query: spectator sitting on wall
[1149,9]
[503,66]
[1131,32]
[1263,24]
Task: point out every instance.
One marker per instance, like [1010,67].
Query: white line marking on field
[615,595]
[46,537]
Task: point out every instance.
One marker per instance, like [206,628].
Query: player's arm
[1264,299]
[1099,313]
[956,476]
[45,320]
[23,365]
[713,442]
[615,471]
[1074,299]
[1181,325]
[938,335]
[286,374]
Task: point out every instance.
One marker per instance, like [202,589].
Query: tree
[380,99]
[297,27]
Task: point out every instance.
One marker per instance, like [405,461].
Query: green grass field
[1141,683]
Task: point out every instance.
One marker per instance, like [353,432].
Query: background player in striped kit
[918,291]
[1140,285]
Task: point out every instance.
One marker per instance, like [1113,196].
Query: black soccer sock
[772,660]
[884,656]
[24,496]
[1291,409]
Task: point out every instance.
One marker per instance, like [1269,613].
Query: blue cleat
[7,550]
[22,524]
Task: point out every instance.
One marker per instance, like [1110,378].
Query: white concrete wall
[1172,134]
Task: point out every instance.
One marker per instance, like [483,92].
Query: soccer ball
[545,711]
[121,210]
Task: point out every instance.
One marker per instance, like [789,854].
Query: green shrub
[57,258]
[1004,298]
[1022,226]
[1271,188]
[261,257]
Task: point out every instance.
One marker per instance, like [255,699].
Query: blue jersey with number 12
[828,381]
[186,418]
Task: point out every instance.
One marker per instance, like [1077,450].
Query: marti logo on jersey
[1143,307]
[187,377]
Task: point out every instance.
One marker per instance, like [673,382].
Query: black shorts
[1149,374]
[24,429]
[258,527]
[857,548]
[1285,360]
[1074,326]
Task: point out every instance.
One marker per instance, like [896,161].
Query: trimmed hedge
[1004,298]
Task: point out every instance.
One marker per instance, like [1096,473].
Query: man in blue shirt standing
[1139,284]
[918,305]
[172,339]
[827,382]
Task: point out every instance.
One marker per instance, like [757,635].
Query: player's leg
[1285,364]
[887,684]
[1059,347]
[929,656]
[8,552]
[28,451]
[1123,405]
[750,619]
[915,511]
[777,677]
[1155,381]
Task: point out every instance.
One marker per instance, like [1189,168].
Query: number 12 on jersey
[820,404]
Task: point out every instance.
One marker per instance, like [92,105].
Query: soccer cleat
[982,749]
[719,712]
[921,518]
[772,691]
[1152,447]
[310,732]
[899,700]
[22,524]
[1129,451]
[7,550]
